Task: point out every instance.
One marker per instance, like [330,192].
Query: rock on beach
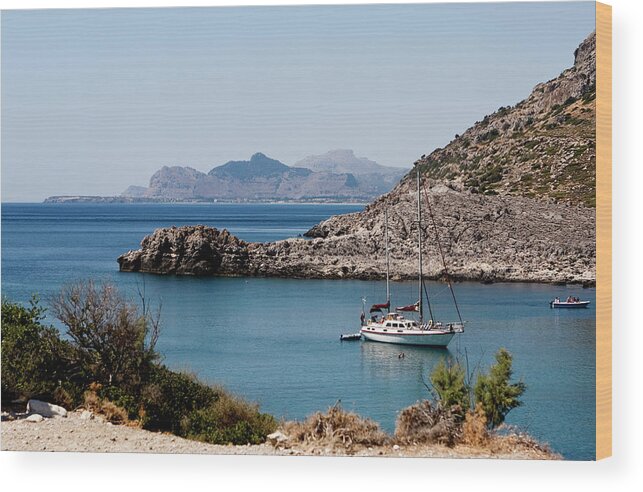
[45,409]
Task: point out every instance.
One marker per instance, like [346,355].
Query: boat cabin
[395,320]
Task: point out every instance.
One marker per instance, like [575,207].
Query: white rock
[45,409]
[35,418]
[277,438]
[86,415]
[396,448]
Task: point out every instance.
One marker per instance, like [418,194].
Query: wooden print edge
[603,230]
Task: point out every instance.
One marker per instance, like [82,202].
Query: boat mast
[388,290]
[419,247]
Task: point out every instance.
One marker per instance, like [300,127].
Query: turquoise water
[276,341]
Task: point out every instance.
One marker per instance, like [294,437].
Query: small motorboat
[571,302]
[350,337]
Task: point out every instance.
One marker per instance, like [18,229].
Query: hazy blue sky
[96,100]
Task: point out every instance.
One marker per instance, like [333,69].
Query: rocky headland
[512,197]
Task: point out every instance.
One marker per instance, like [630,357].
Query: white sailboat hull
[429,338]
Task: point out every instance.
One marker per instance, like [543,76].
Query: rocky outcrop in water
[484,238]
[194,250]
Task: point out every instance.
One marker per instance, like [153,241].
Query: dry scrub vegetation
[422,429]
[461,415]
[334,429]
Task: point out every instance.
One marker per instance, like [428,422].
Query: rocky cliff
[512,199]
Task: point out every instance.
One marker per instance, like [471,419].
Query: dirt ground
[77,434]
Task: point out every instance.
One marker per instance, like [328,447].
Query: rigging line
[437,240]
[440,292]
[428,302]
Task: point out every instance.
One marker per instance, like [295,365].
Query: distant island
[336,176]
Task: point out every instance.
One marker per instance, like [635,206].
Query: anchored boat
[571,302]
[393,326]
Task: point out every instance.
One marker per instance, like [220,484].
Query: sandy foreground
[76,434]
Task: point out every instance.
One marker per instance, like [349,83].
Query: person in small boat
[557,300]
[362,317]
[569,299]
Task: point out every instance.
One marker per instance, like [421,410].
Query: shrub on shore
[36,363]
[170,396]
[336,427]
[448,380]
[109,365]
[228,420]
[112,412]
[494,391]
[474,428]
[427,422]
[449,419]
[114,340]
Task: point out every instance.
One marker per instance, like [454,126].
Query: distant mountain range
[335,176]
[373,179]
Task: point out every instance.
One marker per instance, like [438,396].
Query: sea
[276,341]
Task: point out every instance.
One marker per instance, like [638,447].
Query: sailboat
[394,326]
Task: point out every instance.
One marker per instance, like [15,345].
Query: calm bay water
[276,341]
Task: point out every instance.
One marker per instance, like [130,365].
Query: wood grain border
[603,230]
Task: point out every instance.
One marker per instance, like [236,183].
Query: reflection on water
[392,362]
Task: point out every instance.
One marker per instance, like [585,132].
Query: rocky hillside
[543,147]
[512,199]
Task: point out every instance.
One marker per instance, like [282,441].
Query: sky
[95,100]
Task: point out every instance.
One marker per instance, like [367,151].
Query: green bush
[36,363]
[495,392]
[109,364]
[126,400]
[448,380]
[170,396]
[229,420]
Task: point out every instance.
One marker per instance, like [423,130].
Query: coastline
[76,433]
[136,201]
[485,239]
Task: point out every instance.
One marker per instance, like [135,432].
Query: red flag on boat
[379,307]
[410,307]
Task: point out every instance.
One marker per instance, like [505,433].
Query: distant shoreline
[135,201]
[187,203]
